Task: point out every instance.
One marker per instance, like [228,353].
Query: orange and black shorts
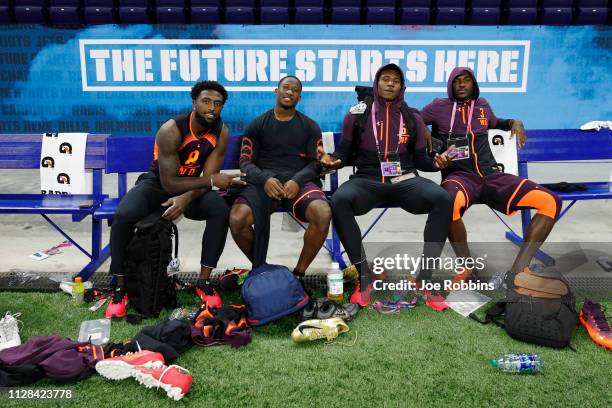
[503,192]
[297,206]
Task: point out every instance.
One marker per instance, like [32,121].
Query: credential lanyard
[399,133]
[469,122]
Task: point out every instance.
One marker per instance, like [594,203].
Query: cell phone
[437,145]
[86,203]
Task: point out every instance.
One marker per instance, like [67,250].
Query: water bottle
[335,283]
[78,290]
[518,363]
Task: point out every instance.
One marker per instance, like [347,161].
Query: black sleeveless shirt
[194,149]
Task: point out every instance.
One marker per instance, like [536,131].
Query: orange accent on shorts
[300,199]
[541,201]
[512,197]
[467,200]
[458,205]
[155,151]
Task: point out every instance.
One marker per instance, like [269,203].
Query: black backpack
[528,316]
[148,254]
[365,95]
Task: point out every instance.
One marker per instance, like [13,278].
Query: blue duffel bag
[271,292]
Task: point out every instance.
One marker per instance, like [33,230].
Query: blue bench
[22,151]
[564,145]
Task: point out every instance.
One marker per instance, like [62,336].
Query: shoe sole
[150,382]
[593,333]
[120,370]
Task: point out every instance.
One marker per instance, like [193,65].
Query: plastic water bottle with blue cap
[518,363]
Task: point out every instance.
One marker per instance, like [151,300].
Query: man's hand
[274,189]
[223,180]
[176,206]
[441,161]
[291,189]
[519,130]
[329,162]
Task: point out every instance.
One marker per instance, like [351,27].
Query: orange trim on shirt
[514,195]
[211,139]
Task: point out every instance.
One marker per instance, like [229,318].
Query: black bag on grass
[148,254]
[536,310]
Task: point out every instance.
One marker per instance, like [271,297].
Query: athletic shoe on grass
[359,297]
[117,307]
[205,290]
[232,279]
[122,367]
[9,331]
[594,320]
[319,329]
[173,379]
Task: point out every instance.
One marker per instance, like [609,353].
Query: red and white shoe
[173,379]
[122,367]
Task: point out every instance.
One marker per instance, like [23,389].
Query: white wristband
[211,181]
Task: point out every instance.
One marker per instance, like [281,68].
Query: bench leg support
[54,225]
[95,263]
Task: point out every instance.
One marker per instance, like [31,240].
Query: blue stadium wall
[127,80]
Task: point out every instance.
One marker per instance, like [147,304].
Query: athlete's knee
[341,200]
[240,217]
[217,207]
[319,214]
[440,199]
[127,215]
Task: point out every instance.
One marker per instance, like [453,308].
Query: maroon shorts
[500,191]
[308,193]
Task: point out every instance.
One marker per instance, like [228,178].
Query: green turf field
[419,358]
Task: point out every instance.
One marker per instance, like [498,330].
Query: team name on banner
[322,65]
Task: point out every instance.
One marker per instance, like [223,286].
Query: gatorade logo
[48,161]
[193,158]
[63,178]
[65,148]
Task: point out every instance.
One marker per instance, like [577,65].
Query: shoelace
[341,343]
[159,381]
[600,320]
